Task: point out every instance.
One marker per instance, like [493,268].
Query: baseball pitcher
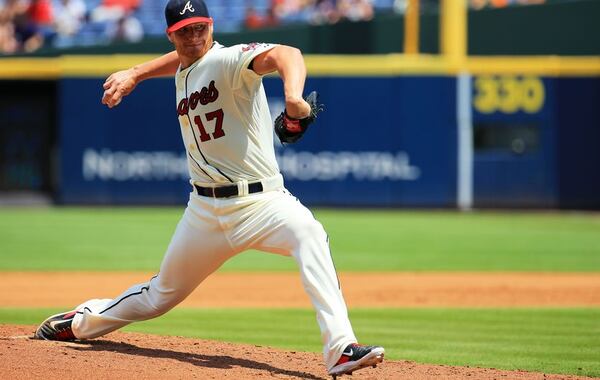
[238,200]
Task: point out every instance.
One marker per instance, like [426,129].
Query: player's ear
[169,37]
[210,34]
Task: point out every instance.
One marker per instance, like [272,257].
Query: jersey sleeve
[237,63]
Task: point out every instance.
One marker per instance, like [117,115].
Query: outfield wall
[381,141]
[389,135]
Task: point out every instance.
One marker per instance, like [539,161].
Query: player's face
[192,41]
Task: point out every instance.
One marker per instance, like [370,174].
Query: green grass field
[135,239]
[563,340]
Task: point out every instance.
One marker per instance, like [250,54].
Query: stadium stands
[98,22]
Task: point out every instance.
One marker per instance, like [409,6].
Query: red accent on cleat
[343,359]
[355,357]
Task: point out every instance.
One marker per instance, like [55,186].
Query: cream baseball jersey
[224,117]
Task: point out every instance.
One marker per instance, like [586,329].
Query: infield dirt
[127,356]
[141,356]
[284,290]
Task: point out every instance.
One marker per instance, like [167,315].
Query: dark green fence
[566,28]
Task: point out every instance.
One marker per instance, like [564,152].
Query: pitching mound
[126,356]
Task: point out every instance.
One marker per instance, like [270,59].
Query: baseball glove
[288,129]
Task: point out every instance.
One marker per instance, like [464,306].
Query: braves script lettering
[205,96]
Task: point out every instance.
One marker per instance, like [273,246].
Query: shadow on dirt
[209,361]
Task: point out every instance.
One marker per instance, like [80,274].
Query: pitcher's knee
[307,231]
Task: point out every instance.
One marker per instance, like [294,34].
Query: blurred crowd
[309,11]
[480,4]
[429,5]
[27,25]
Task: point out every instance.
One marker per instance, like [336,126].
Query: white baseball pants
[210,232]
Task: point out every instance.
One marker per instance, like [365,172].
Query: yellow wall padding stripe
[322,65]
[535,65]
[88,65]
[398,64]
[24,68]
[376,65]
[68,66]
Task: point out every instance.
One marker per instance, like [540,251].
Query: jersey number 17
[219,132]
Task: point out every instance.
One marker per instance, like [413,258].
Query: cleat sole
[371,362]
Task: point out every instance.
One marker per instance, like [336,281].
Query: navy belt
[227,191]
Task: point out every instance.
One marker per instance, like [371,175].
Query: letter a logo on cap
[179,13]
[188,7]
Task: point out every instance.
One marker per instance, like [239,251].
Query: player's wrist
[293,99]
[136,74]
[297,108]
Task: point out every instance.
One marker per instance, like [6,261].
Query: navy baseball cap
[180,13]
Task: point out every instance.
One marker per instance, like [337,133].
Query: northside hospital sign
[370,159]
[108,165]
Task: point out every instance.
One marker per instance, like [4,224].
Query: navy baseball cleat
[355,357]
[57,327]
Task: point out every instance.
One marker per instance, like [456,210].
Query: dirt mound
[126,356]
